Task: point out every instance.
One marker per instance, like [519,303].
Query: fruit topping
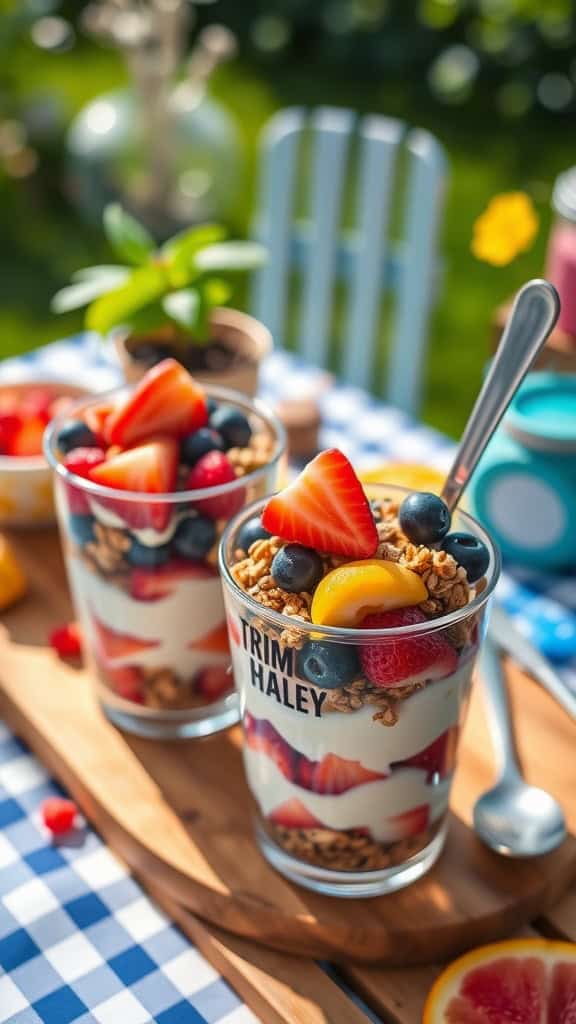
[213,683]
[12,578]
[424,518]
[232,425]
[293,814]
[27,439]
[148,469]
[251,531]
[348,593]
[213,470]
[24,414]
[215,641]
[97,416]
[58,814]
[81,527]
[147,556]
[76,434]
[127,681]
[155,584]
[195,536]
[409,659]
[82,461]
[202,441]
[325,508]
[114,645]
[328,665]
[66,640]
[410,823]
[166,401]
[469,551]
[297,569]
[437,759]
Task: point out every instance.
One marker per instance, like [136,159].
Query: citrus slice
[521,981]
[405,474]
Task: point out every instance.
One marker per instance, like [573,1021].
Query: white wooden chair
[399,171]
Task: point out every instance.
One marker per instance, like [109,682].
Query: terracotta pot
[246,336]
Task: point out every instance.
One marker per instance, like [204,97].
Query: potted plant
[168,301]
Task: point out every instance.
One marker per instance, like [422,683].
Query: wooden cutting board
[180,813]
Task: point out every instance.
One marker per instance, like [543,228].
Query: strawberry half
[150,468]
[402,660]
[410,823]
[97,416]
[438,758]
[155,584]
[325,508]
[166,401]
[293,814]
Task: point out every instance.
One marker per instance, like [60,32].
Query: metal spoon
[513,818]
[534,314]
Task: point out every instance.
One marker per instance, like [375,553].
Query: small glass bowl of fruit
[26,408]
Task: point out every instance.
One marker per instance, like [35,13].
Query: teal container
[524,489]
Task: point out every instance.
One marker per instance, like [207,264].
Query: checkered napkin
[79,940]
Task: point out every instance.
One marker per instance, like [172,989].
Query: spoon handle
[534,313]
[496,698]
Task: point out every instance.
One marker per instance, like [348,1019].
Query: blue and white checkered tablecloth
[79,940]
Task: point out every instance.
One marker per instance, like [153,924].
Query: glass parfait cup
[152,618]
[351,780]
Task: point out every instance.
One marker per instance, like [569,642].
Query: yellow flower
[508,226]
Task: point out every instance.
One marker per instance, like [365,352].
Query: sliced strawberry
[150,468]
[96,417]
[213,683]
[293,814]
[155,584]
[334,775]
[166,401]
[27,439]
[216,640]
[402,660]
[263,737]
[325,508]
[113,645]
[410,823]
[438,758]
[127,681]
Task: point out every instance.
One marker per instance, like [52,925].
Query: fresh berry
[194,537]
[213,683]
[249,532]
[127,681]
[346,594]
[81,528]
[58,814]
[37,404]
[408,659]
[334,775]
[424,518]
[293,814]
[75,434]
[96,417]
[28,438]
[232,425]
[437,759]
[261,736]
[156,584]
[215,641]
[328,665]
[78,503]
[114,645]
[202,441]
[296,569]
[470,552]
[150,468]
[66,640]
[325,508]
[410,823]
[81,461]
[213,470]
[10,423]
[166,401]
[211,406]
[146,556]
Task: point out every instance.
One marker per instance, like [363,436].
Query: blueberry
[233,426]
[145,557]
[296,568]
[211,406]
[424,518]
[194,537]
[202,441]
[75,434]
[82,528]
[250,531]
[469,551]
[328,665]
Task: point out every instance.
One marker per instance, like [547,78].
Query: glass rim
[228,395]
[354,634]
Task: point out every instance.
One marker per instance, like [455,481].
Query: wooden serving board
[180,813]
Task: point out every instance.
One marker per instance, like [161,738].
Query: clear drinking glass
[351,782]
[153,622]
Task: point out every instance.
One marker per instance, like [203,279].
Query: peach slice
[352,591]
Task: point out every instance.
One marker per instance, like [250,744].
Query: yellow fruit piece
[351,592]
[12,578]
[405,474]
[446,1000]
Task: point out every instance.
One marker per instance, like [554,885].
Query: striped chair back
[318,263]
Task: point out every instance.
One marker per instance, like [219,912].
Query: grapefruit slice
[521,981]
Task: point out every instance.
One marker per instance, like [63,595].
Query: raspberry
[213,470]
[82,461]
[66,640]
[58,814]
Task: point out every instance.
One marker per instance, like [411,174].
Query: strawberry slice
[166,401]
[114,645]
[213,683]
[216,641]
[293,814]
[438,758]
[334,775]
[96,417]
[264,738]
[410,823]
[325,508]
[156,584]
[150,468]
[127,681]
[402,660]
[27,439]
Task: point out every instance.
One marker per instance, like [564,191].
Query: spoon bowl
[519,820]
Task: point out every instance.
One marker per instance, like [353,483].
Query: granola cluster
[347,851]
[386,702]
[163,689]
[255,455]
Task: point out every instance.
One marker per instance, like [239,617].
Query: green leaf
[183,307]
[179,251]
[74,296]
[128,237]
[231,256]
[144,286]
[115,273]
[216,291]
